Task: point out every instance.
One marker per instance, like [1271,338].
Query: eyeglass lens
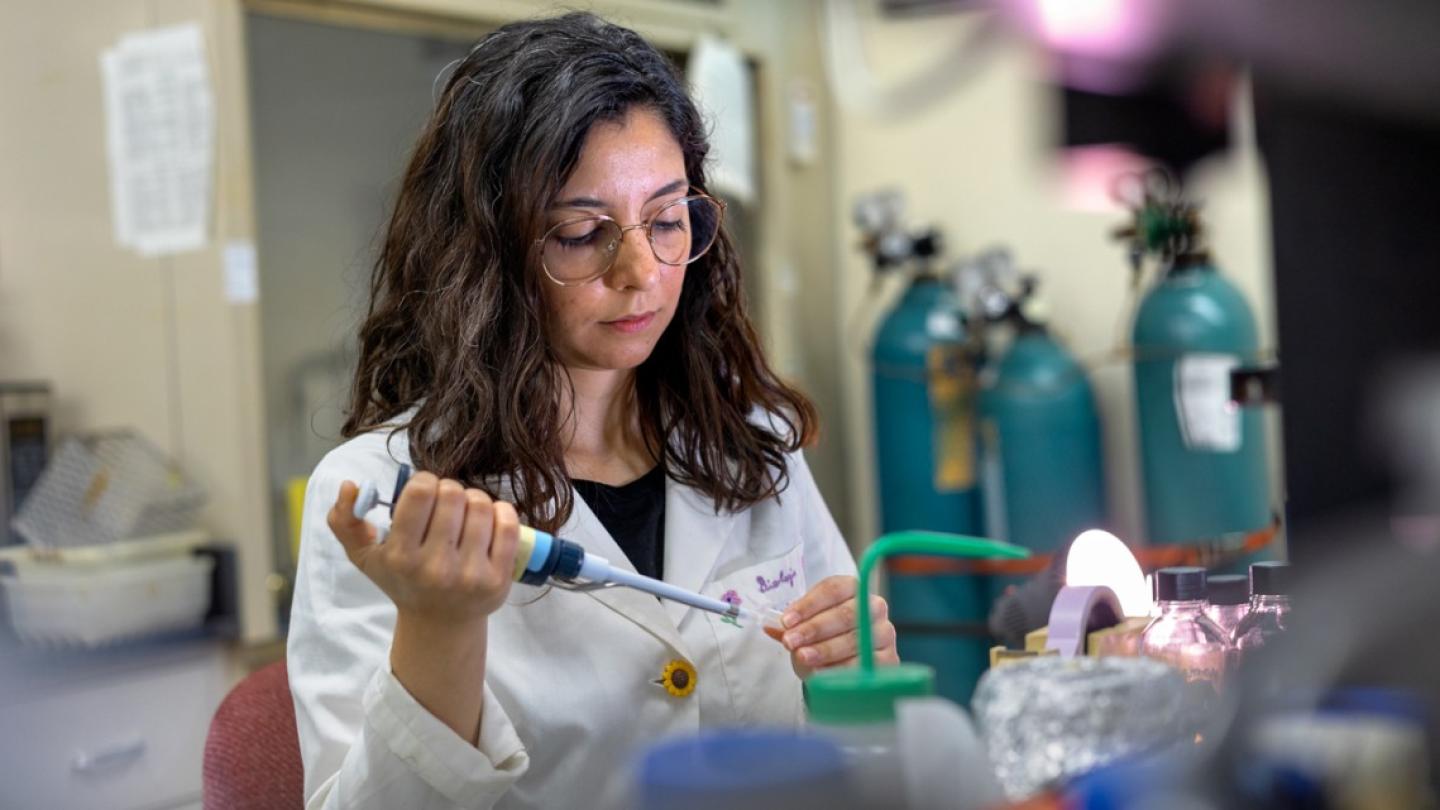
[680,233]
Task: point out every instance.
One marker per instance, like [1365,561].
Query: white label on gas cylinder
[1209,420]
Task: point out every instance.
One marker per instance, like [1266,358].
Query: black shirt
[634,514]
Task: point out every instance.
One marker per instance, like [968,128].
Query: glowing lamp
[1099,558]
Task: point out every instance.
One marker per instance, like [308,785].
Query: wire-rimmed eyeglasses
[578,251]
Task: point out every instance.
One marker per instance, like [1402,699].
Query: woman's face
[627,170]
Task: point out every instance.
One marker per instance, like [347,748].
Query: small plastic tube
[769,619]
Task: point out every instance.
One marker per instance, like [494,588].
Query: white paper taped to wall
[160,139]
[720,80]
[242,279]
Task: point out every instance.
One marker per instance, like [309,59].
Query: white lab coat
[571,693]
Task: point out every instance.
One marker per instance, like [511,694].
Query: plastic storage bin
[59,605]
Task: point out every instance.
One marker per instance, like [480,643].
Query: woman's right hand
[449,556]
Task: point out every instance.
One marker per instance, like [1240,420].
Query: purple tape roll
[1079,611]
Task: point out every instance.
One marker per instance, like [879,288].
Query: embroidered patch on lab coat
[772,583]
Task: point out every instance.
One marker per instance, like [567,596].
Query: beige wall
[126,341]
[980,164]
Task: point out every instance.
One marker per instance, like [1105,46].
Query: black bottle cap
[1270,579]
[1180,584]
[1228,589]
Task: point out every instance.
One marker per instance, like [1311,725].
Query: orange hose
[1205,554]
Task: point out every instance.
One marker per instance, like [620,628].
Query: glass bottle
[1182,635]
[1269,614]
[1229,597]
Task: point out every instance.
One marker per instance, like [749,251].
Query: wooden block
[1002,656]
[1120,641]
[1036,640]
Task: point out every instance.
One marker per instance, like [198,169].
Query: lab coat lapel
[694,537]
[585,528]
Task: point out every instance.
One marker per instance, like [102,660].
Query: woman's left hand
[820,628]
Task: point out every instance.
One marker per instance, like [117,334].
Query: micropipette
[541,557]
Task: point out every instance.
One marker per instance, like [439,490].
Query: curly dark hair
[457,324]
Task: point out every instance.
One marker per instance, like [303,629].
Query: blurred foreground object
[723,770]
[1377,56]
[1046,720]
[904,746]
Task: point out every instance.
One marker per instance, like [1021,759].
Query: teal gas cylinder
[1044,479]
[1202,459]
[924,399]
[924,386]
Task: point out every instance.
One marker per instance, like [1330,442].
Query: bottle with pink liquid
[1182,635]
[1229,598]
[1269,614]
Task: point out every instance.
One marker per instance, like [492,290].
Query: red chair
[252,754]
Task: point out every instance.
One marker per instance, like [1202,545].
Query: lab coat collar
[585,528]
[695,534]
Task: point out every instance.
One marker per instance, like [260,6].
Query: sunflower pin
[678,678]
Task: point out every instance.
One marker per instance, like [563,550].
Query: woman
[556,335]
